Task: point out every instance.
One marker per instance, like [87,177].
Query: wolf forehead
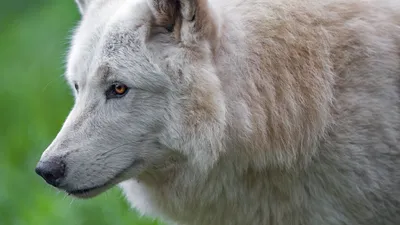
[111,36]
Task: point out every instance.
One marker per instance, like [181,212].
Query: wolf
[235,112]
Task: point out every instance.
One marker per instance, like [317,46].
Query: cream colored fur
[252,112]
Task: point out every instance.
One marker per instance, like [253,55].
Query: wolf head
[146,92]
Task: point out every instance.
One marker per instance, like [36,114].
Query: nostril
[52,171]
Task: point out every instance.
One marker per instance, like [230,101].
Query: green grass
[34,101]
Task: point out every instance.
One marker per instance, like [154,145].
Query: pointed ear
[82,5]
[168,9]
[192,19]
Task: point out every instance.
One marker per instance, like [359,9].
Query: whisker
[117,153]
[45,87]
[72,201]
[65,196]
[115,148]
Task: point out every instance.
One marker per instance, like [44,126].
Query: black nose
[52,171]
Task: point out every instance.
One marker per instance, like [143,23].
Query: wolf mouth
[96,190]
[83,191]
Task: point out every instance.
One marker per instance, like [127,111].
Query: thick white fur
[275,112]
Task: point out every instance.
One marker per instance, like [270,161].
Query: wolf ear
[170,9]
[190,18]
[82,5]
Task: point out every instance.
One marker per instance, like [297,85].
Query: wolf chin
[235,112]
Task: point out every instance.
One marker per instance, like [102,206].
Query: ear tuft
[188,9]
[193,19]
[167,10]
[82,5]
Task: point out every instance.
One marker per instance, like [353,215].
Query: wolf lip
[93,191]
[83,191]
[89,192]
[96,190]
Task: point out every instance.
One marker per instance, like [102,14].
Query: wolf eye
[120,89]
[116,91]
[76,87]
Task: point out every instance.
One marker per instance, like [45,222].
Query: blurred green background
[34,101]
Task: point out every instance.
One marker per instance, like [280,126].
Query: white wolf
[250,112]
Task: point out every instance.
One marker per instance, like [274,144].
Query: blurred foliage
[34,101]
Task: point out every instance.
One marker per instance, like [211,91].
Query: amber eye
[120,89]
[116,90]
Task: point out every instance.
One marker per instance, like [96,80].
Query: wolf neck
[278,93]
[190,198]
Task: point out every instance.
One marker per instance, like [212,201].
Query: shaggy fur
[240,112]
